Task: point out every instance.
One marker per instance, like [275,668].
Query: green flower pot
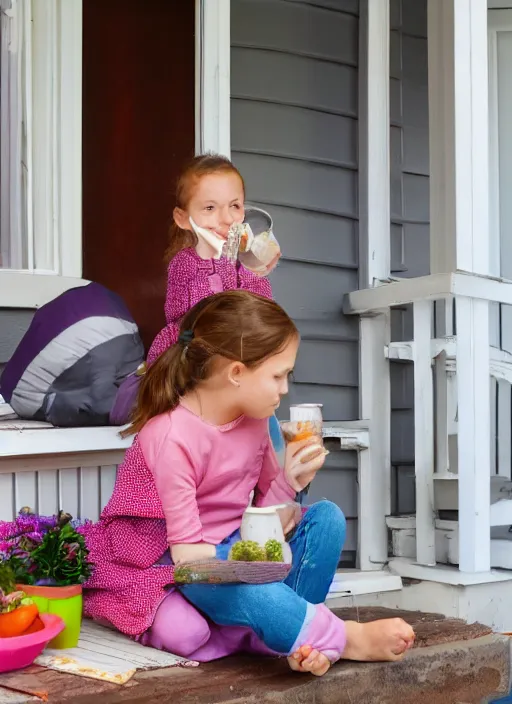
[65,602]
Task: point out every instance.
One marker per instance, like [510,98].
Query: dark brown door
[138,129]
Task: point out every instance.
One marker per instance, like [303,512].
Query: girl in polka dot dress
[201,450]
[210,196]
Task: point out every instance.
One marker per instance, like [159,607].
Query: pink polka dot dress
[190,279]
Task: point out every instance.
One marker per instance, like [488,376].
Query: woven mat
[105,654]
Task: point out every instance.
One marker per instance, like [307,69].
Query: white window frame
[48,42]
[52,116]
[500,21]
[213,77]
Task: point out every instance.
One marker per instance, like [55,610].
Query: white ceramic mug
[262,524]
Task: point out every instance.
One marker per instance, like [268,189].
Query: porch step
[358,582]
[447,542]
[465,664]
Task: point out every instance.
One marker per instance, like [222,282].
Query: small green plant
[247,551]
[250,551]
[274,551]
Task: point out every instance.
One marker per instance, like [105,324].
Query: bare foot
[307,659]
[387,639]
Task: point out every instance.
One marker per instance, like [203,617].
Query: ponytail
[178,239]
[158,390]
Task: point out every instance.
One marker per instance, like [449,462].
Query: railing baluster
[424,434]
[473,392]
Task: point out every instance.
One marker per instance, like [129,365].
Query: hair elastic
[184,340]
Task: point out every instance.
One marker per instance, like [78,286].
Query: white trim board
[25,289]
[18,440]
[213,76]
[500,360]
[358,582]
[430,287]
[445,574]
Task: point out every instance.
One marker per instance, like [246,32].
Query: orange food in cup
[303,435]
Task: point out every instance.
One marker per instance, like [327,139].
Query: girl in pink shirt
[202,450]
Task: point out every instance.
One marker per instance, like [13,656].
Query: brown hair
[199,166]
[235,325]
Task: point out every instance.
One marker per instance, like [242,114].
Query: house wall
[294,104]
[410,254]
[13,325]
[294,137]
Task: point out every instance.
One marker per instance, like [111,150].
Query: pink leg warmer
[323,631]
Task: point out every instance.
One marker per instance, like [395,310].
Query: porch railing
[452,363]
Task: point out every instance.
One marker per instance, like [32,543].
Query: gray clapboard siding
[316,237]
[310,296]
[13,325]
[294,138]
[301,184]
[347,6]
[409,213]
[296,133]
[332,37]
[293,80]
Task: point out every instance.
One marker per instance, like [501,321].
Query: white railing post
[424,434]
[374,263]
[459,240]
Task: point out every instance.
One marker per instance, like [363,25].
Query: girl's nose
[227,217]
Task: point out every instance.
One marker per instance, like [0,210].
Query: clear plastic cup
[253,243]
[305,423]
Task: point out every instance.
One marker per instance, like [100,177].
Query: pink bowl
[21,651]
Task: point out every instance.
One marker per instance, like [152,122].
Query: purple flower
[39,546]
[27,524]
[45,582]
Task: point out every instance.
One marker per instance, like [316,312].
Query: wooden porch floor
[453,662]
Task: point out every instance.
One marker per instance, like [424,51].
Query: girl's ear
[181,219]
[235,371]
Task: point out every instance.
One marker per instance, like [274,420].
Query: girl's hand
[190,552]
[290,515]
[299,473]
[270,267]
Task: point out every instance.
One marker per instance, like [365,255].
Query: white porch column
[459,240]
[374,265]
[213,90]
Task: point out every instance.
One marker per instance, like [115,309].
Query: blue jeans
[277,612]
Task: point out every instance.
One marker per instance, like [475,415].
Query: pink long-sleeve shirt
[205,474]
[190,279]
[182,480]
